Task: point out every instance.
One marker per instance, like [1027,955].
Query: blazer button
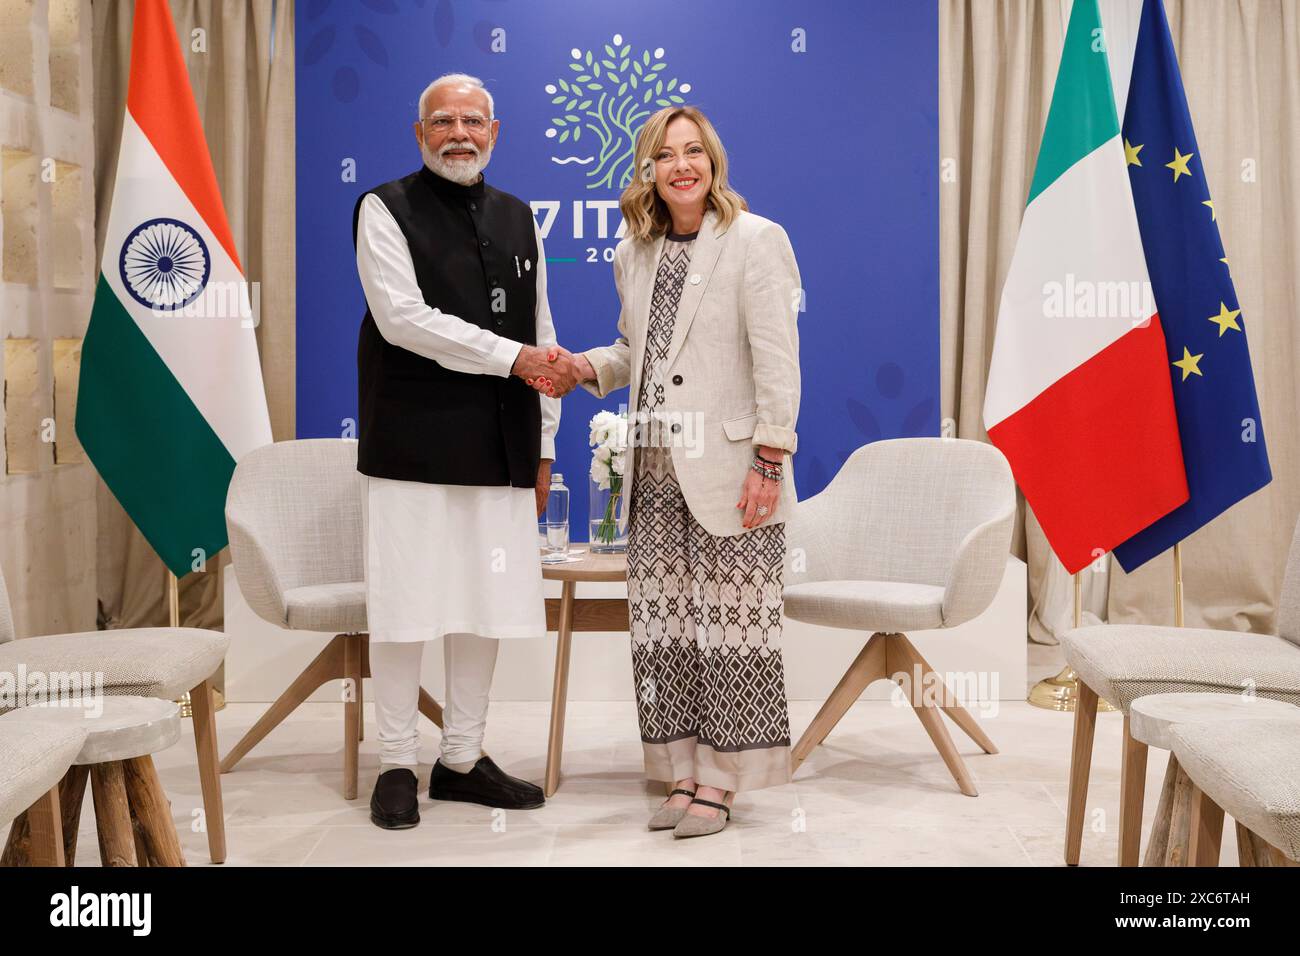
[677,427]
[484,243]
[677,380]
[695,279]
[473,205]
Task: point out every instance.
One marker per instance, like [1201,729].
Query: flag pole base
[1061,693]
[218,703]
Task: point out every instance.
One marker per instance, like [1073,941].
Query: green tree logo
[609,96]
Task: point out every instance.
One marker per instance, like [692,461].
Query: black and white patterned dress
[705,610]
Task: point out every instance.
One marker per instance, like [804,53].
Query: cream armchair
[912,534]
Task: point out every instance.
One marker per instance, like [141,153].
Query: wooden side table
[1174,838]
[567,614]
[132,813]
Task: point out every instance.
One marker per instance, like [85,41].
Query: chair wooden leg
[1158,841]
[948,703]
[1205,830]
[18,846]
[1132,786]
[430,708]
[905,664]
[560,688]
[205,744]
[46,822]
[1085,727]
[1245,846]
[147,800]
[327,666]
[352,648]
[112,814]
[1180,818]
[869,666]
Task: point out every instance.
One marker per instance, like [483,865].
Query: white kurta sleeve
[403,317]
[545,337]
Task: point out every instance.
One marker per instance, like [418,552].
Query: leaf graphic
[558,99]
[662,102]
[917,421]
[596,70]
[672,83]
[864,419]
[648,94]
[676,99]
[632,80]
[637,67]
[558,122]
[583,105]
[659,87]
[371,45]
[588,60]
[622,89]
[318,46]
[623,52]
[564,86]
[564,136]
[571,118]
[577,132]
[610,50]
[576,67]
[646,57]
[623,65]
[595,86]
[659,66]
[583,77]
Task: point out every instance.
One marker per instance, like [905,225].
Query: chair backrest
[6,617]
[293,513]
[1288,604]
[899,510]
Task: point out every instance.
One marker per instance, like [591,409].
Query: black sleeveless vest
[418,420]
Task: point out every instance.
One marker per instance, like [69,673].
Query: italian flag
[1079,396]
[171,394]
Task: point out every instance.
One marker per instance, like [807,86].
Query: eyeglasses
[442,122]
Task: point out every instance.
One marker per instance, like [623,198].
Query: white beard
[463,171]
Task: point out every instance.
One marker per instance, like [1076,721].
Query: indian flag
[1079,396]
[170,395]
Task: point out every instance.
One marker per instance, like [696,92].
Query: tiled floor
[876,793]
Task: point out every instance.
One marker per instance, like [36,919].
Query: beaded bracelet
[766,468]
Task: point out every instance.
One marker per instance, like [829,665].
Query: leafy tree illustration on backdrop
[608,97]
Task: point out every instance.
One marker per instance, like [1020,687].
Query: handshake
[554,370]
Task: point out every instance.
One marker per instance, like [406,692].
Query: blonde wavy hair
[644,211]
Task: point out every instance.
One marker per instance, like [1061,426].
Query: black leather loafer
[395,804]
[487,784]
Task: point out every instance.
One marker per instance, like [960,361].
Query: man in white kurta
[453,561]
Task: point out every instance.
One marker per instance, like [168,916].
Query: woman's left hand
[759,492]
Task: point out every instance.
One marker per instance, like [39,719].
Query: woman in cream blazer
[708,345]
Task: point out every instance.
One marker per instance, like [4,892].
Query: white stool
[132,814]
[1150,720]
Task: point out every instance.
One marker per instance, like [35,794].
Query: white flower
[608,440]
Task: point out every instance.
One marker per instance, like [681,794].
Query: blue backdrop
[828,111]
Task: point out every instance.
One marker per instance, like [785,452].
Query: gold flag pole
[1178,584]
[1061,692]
[174,620]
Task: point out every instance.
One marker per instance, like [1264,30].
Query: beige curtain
[1240,63]
[239,54]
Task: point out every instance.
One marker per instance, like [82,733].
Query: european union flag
[1214,388]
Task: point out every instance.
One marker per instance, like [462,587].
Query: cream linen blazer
[731,379]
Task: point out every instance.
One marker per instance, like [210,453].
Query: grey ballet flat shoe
[692,825]
[666,817]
